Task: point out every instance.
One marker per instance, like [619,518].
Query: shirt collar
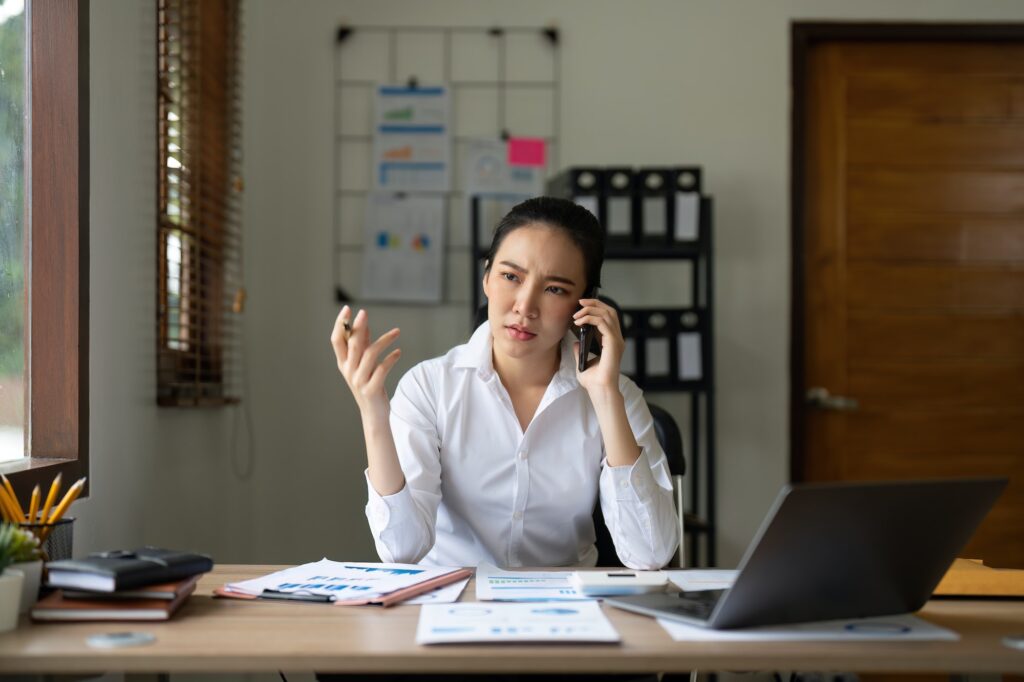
[476,354]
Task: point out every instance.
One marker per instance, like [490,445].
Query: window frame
[56,247]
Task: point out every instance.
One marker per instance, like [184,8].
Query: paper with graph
[411,139]
[403,250]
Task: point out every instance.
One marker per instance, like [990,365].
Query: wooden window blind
[199,232]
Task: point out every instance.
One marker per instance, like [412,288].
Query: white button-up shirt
[479,488]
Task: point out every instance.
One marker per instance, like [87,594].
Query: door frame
[803,37]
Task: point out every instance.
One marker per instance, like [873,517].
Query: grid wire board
[503,81]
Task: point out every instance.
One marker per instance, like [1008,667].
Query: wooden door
[912,299]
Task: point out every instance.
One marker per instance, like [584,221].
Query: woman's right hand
[357,359]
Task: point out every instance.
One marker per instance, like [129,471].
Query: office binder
[621,221]
[686,181]
[655,194]
[586,186]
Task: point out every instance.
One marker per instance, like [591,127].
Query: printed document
[904,627]
[494,584]
[447,594]
[575,621]
[341,580]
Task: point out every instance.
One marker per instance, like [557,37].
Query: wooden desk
[220,635]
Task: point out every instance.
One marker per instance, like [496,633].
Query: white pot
[33,571]
[10,597]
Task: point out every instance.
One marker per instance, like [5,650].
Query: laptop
[827,551]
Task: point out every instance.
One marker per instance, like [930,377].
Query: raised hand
[358,359]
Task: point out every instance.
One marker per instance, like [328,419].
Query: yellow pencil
[51,497]
[69,497]
[12,512]
[5,507]
[14,498]
[33,506]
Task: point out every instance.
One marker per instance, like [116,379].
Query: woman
[498,450]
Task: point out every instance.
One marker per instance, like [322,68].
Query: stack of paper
[347,583]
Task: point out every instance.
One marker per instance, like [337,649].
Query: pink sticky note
[526,151]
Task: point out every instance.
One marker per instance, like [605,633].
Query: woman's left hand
[602,373]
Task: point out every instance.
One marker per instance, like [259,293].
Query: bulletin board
[502,82]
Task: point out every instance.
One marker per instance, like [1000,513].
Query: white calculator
[618,582]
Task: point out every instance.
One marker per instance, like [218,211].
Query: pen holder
[58,542]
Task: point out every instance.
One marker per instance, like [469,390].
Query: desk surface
[221,635]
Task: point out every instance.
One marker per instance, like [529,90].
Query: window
[55,260]
[199,237]
[12,211]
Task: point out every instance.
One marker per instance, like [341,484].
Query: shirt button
[624,484]
[522,455]
[517,516]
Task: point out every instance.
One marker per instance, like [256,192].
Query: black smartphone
[585,333]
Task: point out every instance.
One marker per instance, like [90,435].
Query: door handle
[820,398]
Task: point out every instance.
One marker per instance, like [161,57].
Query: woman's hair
[576,222]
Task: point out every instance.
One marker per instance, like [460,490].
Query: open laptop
[839,550]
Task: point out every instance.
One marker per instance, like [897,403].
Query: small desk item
[619,582]
[972,578]
[124,569]
[55,607]
[119,640]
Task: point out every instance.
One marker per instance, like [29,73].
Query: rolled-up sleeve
[403,524]
[636,500]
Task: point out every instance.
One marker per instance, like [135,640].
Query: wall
[158,476]
[694,81]
[699,82]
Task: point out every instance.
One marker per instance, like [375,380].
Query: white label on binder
[657,357]
[689,356]
[687,216]
[619,219]
[587,202]
[654,216]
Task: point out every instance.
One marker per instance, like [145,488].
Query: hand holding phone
[585,334]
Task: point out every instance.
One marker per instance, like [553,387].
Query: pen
[51,497]
[296,596]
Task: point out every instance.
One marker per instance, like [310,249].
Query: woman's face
[533,288]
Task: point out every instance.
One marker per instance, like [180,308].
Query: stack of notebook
[142,584]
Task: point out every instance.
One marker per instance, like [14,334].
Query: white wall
[703,82]
[158,475]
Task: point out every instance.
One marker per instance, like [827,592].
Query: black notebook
[119,570]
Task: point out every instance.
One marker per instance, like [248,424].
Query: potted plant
[28,558]
[11,580]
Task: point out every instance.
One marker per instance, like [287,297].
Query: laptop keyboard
[698,605]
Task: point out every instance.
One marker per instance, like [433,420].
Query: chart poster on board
[403,255]
[487,172]
[411,140]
